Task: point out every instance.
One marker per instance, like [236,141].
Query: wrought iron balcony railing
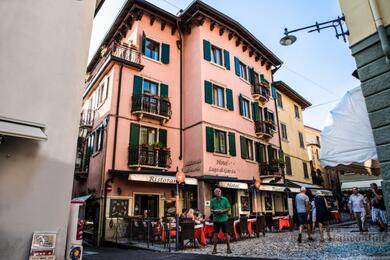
[261,91]
[264,129]
[149,156]
[118,52]
[270,169]
[153,106]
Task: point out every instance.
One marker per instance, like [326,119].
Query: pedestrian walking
[302,205]
[378,211]
[322,214]
[357,208]
[220,206]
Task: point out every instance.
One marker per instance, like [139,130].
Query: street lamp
[336,24]
[180,179]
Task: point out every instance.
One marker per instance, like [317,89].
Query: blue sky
[318,65]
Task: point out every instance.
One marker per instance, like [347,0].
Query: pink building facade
[169,94]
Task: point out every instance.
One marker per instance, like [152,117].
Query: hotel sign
[233,185]
[160,179]
[272,188]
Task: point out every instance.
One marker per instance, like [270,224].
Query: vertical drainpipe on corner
[113,154]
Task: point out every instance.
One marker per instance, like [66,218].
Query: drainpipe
[381,29]
[180,46]
[111,179]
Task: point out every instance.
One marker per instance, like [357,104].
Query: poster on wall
[43,245]
[169,208]
[268,203]
[244,203]
[119,208]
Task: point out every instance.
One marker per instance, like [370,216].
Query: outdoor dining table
[172,231]
[283,221]
[199,233]
[209,229]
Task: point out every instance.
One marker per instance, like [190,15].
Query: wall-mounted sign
[244,203]
[272,188]
[119,208]
[43,246]
[233,185]
[160,179]
[222,167]
[192,166]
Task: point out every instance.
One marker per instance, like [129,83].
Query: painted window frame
[250,150]
[243,70]
[244,101]
[212,58]
[159,49]
[301,140]
[297,112]
[283,131]
[150,83]
[147,134]
[217,142]
[279,100]
[217,87]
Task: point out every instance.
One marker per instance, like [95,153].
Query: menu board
[43,246]
[244,203]
[119,208]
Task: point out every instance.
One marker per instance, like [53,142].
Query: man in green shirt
[220,206]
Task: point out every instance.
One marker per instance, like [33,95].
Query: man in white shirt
[356,206]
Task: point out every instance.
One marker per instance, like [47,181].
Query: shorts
[218,226]
[302,218]
[378,214]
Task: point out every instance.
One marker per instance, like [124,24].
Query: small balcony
[261,92]
[264,129]
[82,162]
[155,107]
[270,169]
[86,122]
[149,156]
[121,53]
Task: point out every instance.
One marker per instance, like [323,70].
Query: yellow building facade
[292,132]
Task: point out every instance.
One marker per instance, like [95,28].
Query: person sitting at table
[198,217]
[220,206]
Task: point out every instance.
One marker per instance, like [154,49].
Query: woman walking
[322,214]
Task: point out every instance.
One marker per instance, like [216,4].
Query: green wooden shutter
[134,134]
[226,59]
[257,152]
[209,139]
[208,92]
[165,53]
[206,50]
[237,66]
[143,42]
[265,113]
[270,154]
[251,75]
[137,85]
[162,137]
[232,144]
[254,111]
[260,113]
[241,104]
[163,90]
[229,99]
[244,148]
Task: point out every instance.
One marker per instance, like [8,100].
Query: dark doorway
[146,205]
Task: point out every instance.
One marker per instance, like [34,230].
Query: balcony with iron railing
[86,122]
[151,106]
[149,156]
[261,92]
[270,169]
[129,56]
[264,128]
[82,161]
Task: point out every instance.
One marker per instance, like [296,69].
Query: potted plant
[157,146]
[103,50]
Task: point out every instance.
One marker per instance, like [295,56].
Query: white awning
[359,184]
[314,188]
[233,185]
[81,199]
[16,128]
[307,185]
[347,136]
[160,179]
[272,188]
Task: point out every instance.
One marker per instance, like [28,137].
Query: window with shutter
[206,50]
[209,139]
[220,142]
[244,149]
[232,144]
[287,160]
[165,53]
[226,59]
[284,131]
[162,137]
[151,49]
[229,99]
[208,91]
[216,55]
[301,142]
[305,172]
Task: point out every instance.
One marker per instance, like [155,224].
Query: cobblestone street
[347,243]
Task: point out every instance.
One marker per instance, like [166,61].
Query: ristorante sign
[160,179]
